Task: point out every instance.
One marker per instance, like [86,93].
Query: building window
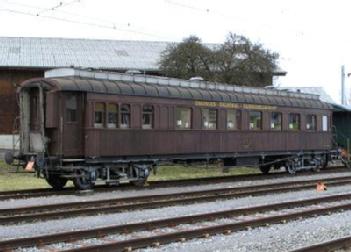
[209,118]
[112,116]
[148,117]
[294,121]
[125,116]
[255,120]
[233,119]
[183,118]
[71,108]
[276,121]
[99,119]
[325,123]
[311,122]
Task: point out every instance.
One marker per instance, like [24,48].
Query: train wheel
[265,169]
[82,181]
[55,181]
[291,168]
[141,172]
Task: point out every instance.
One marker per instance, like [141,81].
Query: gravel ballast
[183,227]
[54,226]
[130,193]
[280,237]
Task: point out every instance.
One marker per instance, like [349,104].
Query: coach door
[72,125]
[32,120]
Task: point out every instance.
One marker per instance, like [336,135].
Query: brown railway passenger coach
[82,126]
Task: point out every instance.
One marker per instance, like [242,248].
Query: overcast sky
[312,37]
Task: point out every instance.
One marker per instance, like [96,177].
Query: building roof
[46,53]
[69,79]
[323,96]
[60,52]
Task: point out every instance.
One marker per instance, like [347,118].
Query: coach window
[112,116]
[294,121]
[71,108]
[276,121]
[209,118]
[255,120]
[99,118]
[233,119]
[148,117]
[311,122]
[125,116]
[325,123]
[183,118]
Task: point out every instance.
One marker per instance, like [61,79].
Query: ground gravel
[196,244]
[54,226]
[183,227]
[280,237]
[129,193]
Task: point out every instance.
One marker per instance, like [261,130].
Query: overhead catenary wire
[59,5]
[210,11]
[105,24]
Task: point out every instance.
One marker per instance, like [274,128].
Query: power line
[59,5]
[207,10]
[67,13]
[106,24]
[297,33]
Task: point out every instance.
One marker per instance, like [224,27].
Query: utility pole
[343,98]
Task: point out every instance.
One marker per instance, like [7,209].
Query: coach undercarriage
[86,172]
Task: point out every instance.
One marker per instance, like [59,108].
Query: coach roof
[154,86]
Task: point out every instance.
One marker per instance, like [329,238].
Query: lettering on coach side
[234,105]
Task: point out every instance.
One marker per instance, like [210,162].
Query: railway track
[185,234]
[341,244]
[42,192]
[89,208]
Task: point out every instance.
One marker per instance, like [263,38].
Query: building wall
[9,81]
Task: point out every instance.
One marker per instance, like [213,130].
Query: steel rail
[157,224]
[40,192]
[96,203]
[206,232]
[152,201]
[333,245]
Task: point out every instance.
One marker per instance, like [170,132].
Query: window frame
[327,123]
[65,105]
[237,116]
[261,120]
[149,113]
[202,118]
[281,121]
[190,117]
[124,113]
[103,115]
[315,122]
[108,116]
[299,122]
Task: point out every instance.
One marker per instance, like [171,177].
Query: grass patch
[19,181]
[9,180]
[188,172]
